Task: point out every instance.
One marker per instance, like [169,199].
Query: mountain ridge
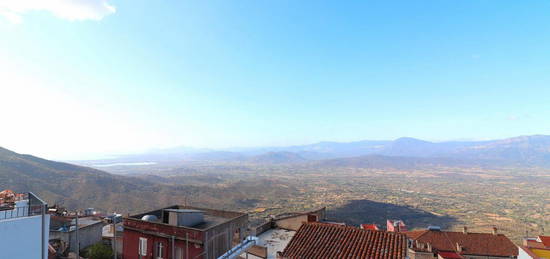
[533,150]
[73,185]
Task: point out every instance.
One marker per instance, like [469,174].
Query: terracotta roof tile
[534,243]
[545,240]
[318,240]
[486,244]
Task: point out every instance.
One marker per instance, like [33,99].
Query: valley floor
[516,201]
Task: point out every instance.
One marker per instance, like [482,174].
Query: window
[159,247]
[143,246]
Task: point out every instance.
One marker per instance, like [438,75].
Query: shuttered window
[159,250]
[143,246]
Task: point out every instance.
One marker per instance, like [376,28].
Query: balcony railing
[29,205]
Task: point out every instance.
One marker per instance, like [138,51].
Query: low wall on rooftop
[293,222]
[88,235]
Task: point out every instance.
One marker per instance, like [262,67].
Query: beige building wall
[291,223]
[424,255]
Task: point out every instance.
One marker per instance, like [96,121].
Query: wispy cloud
[515,117]
[73,10]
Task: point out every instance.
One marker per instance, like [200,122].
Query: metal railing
[34,206]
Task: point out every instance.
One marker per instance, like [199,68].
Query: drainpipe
[114,237]
[77,241]
[42,231]
[186,245]
[206,247]
[173,248]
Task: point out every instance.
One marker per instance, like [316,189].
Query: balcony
[26,205]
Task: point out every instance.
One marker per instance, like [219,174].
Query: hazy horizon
[109,155]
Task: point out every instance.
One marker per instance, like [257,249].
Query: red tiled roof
[415,234]
[545,240]
[318,240]
[369,226]
[486,244]
[6,194]
[450,255]
[534,244]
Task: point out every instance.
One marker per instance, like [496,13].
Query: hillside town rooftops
[545,240]
[320,240]
[396,225]
[369,227]
[8,198]
[538,247]
[68,223]
[463,243]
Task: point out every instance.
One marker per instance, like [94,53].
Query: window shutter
[143,246]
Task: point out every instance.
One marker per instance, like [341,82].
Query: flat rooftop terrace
[275,240]
[212,217]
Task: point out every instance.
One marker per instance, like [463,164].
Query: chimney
[458,247]
[465,230]
[495,231]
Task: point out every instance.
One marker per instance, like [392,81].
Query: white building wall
[523,254]
[20,237]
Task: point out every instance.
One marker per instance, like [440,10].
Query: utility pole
[43,241]
[77,241]
[114,237]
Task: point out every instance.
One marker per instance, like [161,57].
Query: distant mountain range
[518,151]
[74,185]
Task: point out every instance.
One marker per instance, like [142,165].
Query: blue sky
[97,77]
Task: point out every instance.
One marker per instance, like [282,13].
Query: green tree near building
[100,251]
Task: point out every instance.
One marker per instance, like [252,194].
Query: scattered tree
[100,251]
